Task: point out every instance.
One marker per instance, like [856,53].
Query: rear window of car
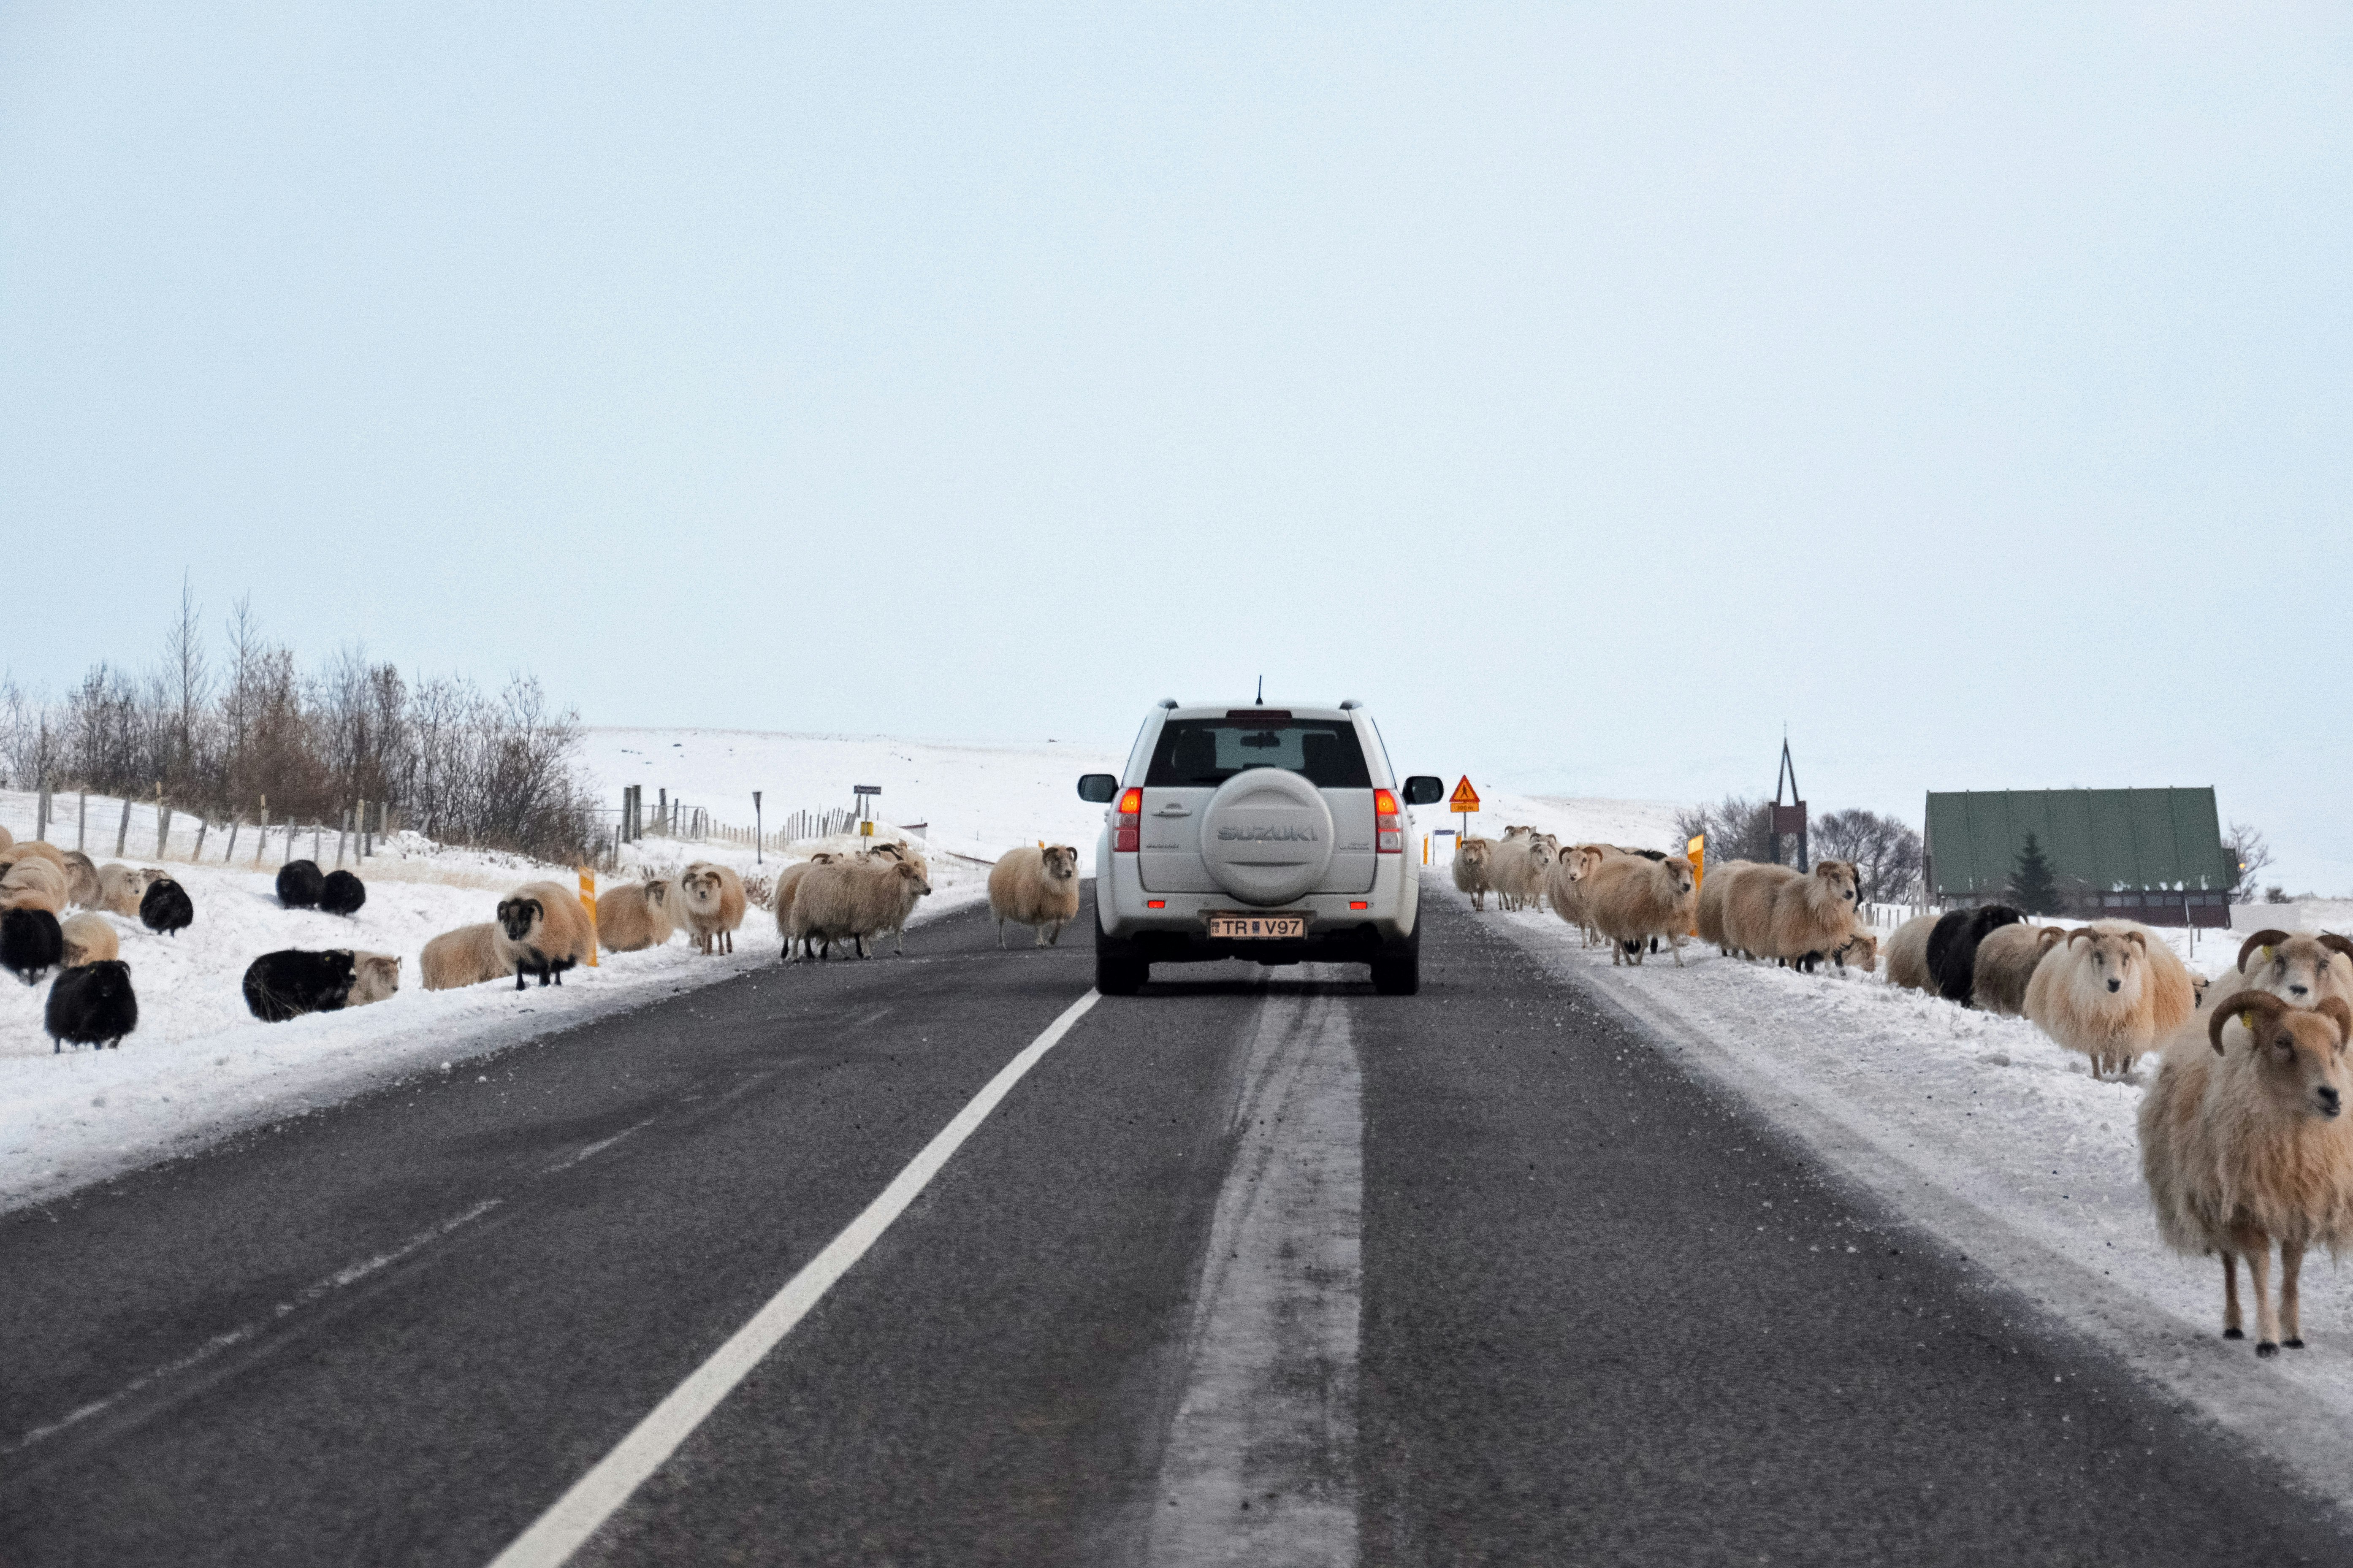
[1206,752]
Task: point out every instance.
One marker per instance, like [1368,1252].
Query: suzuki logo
[1268,835]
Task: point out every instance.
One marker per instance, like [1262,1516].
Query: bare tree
[187,682]
[2250,857]
[1739,827]
[1886,853]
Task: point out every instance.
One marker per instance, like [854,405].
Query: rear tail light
[1388,824]
[1127,825]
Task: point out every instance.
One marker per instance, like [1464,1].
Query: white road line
[595,1149]
[563,1529]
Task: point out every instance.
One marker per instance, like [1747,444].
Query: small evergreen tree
[2033,886]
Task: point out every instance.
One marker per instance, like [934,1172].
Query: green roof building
[2151,855]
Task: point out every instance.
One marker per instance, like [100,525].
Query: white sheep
[635,916]
[1035,887]
[852,900]
[2249,1146]
[1474,869]
[466,956]
[711,905]
[1813,915]
[2110,992]
[542,929]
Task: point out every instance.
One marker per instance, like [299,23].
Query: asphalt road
[1254,1268]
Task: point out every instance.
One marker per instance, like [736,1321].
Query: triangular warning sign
[1464,798]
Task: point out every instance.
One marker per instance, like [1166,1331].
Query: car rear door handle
[1172,809]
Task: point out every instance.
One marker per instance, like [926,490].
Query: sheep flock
[2245,1149]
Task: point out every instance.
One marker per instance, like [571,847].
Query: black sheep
[341,893]
[298,884]
[1953,947]
[31,943]
[165,909]
[289,983]
[92,1005]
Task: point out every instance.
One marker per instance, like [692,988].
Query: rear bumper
[1351,944]
[1177,932]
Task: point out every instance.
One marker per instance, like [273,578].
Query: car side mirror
[1098,787]
[1424,789]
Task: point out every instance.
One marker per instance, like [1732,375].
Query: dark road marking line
[350,1275]
[556,1534]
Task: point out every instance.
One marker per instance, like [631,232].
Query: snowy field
[975,800]
[1987,1134]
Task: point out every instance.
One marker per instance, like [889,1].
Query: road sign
[1464,798]
[866,789]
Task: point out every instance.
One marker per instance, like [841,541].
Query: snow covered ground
[975,799]
[1988,1135]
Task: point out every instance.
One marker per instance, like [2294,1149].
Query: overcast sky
[1593,389]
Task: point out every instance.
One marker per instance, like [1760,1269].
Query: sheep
[2006,961]
[81,880]
[1532,872]
[1034,888]
[920,886]
[1631,899]
[1907,954]
[292,982]
[542,929]
[635,916]
[1748,898]
[1812,914]
[33,884]
[1475,871]
[298,884]
[2106,991]
[2245,1147]
[1859,950]
[1504,865]
[1953,946]
[851,900]
[31,943]
[2298,969]
[1707,917]
[165,908]
[341,893]
[1565,882]
[711,906]
[120,887]
[36,849]
[467,956]
[88,939]
[7,840]
[787,882]
[91,1005]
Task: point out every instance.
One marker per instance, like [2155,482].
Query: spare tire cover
[1267,836]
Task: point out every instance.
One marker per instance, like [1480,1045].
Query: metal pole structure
[759,848]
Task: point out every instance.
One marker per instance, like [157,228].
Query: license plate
[1248,927]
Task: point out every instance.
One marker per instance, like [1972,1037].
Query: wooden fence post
[261,834]
[81,818]
[229,854]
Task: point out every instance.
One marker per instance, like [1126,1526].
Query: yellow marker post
[1695,852]
[588,903]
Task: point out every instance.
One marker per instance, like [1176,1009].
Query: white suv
[1273,834]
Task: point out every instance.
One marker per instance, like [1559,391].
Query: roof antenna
[1261,691]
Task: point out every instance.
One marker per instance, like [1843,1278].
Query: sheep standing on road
[851,900]
[1036,887]
[1813,915]
[1504,865]
[468,955]
[711,905]
[2006,962]
[542,929]
[1953,947]
[1633,899]
[1473,869]
[788,881]
[2107,992]
[2249,1146]
[1564,884]
[635,916]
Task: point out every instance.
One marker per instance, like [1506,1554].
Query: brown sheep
[7,840]
[32,883]
[1565,883]
[89,940]
[81,880]
[635,916]
[1859,950]
[1813,913]
[35,848]
[2244,1147]
[1036,887]
[375,976]
[1633,899]
[851,900]
[711,905]
[2006,961]
[1473,869]
[542,929]
[788,880]
[1748,901]
[467,956]
[2298,969]
[1907,954]
[120,887]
